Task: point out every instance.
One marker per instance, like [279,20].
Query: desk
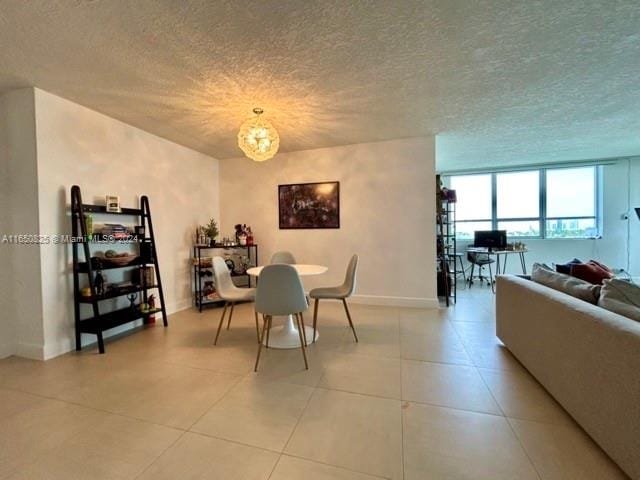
[287,335]
[506,254]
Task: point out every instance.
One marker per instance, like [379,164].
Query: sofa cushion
[565,283]
[621,297]
[566,267]
[592,272]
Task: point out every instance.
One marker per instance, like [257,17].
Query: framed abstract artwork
[309,205]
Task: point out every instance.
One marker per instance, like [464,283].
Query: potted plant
[211,231]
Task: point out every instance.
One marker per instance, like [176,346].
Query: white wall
[77,146]
[21,305]
[620,192]
[387,205]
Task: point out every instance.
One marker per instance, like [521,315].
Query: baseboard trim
[6,350]
[178,306]
[383,301]
[30,350]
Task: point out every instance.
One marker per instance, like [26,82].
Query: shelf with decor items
[446,243]
[204,292]
[142,264]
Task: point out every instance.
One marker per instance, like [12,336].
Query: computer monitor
[491,239]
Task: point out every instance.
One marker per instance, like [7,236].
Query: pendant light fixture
[257,138]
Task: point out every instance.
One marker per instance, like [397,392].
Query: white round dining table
[287,335]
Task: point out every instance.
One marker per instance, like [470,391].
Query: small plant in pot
[211,231]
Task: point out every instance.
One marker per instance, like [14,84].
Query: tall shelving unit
[446,247]
[101,320]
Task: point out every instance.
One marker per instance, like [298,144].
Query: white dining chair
[230,293]
[283,257]
[341,292]
[280,292]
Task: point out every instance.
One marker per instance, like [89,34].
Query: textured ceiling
[498,81]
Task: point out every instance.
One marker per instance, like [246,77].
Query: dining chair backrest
[350,277]
[283,257]
[280,291]
[224,283]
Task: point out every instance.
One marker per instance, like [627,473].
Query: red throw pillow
[592,272]
[601,265]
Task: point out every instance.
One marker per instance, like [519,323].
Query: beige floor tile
[28,434]
[197,457]
[229,356]
[363,374]
[455,386]
[423,322]
[56,375]
[13,402]
[180,399]
[167,394]
[356,432]
[435,341]
[292,468]
[380,342]
[521,396]
[287,365]
[497,357]
[469,310]
[256,412]
[564,452]
[457,445]
[58,440]
[477,333]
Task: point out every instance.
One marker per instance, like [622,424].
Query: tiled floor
[426,394]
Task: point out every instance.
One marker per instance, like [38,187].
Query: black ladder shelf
[101,320]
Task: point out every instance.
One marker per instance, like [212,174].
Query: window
[544,203]
[571,203]
[473,209]
[518,203]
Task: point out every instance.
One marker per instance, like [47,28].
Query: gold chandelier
[257,138]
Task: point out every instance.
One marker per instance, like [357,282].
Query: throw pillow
[621,297]
[601,265]
[592,272]
[566,267]
[565,283]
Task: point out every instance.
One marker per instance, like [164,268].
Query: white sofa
[587,357]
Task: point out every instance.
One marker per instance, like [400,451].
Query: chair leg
[315,318]
[215,342]
[302,343]
[268,330]
[233,304]
[304,331]
[346,309]
[471,273]
[257,325]
[493,288]
[265,328]
[464,276]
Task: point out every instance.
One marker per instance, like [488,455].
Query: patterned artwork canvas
[309,205]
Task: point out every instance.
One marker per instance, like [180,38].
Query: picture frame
[314,205]
[112,203]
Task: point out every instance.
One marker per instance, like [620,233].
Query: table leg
[504,267]
[287,336]
[524,264]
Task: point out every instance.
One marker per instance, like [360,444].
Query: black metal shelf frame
[101,321]
[446,248]
[199,298]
